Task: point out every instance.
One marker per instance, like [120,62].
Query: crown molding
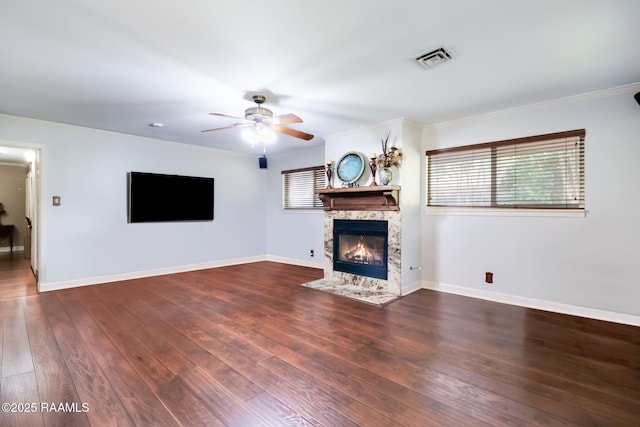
[588,96]
[401,121]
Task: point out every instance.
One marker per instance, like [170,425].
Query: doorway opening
[19,219]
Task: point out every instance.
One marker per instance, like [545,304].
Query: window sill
[558,213]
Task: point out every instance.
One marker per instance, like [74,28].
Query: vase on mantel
[385,176]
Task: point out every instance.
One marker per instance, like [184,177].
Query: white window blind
[298,187]
[538,172]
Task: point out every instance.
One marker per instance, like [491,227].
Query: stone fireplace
[362,238]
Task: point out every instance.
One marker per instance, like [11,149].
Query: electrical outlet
[488,277]
[311,253]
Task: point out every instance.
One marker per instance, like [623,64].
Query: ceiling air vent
[433,58]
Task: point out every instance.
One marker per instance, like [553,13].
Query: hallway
[16,278]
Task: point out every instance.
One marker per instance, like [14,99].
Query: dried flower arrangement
[390,156]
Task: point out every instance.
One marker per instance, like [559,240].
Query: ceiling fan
[259,118]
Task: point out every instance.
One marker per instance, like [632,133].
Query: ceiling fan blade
[235,125]
[292,132]
[285,119]
[228,116]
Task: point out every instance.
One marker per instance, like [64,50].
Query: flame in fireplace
[360,253]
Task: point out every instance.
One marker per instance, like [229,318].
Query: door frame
[36,221]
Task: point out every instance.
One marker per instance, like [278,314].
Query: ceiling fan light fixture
[267,135]
[258,135]
[250,134]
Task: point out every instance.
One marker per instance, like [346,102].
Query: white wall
[410,205]
[88,235]
[588,262]
[365,140]
[291,234]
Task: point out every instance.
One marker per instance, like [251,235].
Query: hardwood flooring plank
[466,368]
[20,390]
[538,355]
[358,382]
[55,384]
[192,380]
[224,403]
[530,388]
[16,357]
[190,323]
[147,364]
[264,409]
[520,410]
[177,397]
[311,407]
[224,348]
[214,367]
[203,322]
[142,405]
[356,401]
[555,377]
[315,350]
[105,408]
[16,278]
[221,325]
[148,354]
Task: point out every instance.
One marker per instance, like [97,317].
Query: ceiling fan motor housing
[257,113]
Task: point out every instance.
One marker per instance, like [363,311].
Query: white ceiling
[119,65]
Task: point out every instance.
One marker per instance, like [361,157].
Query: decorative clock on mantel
[350,168]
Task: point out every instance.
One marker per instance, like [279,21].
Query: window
[298,187]
[537,172]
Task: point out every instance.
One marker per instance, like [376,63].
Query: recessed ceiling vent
[433,58]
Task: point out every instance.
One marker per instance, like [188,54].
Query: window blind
[538,172]
[298,187]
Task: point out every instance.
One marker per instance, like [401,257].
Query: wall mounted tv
[153,197]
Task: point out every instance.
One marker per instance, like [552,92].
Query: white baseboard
[411,287]
[293,261]
[556,307]
[53,286]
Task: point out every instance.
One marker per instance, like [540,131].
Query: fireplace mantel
[371,198]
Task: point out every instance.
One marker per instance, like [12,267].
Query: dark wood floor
[245,345]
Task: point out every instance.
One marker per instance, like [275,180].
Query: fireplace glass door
[360,247]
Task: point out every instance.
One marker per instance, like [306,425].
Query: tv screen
[167,198]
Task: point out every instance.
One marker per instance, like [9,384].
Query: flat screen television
[156,197]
